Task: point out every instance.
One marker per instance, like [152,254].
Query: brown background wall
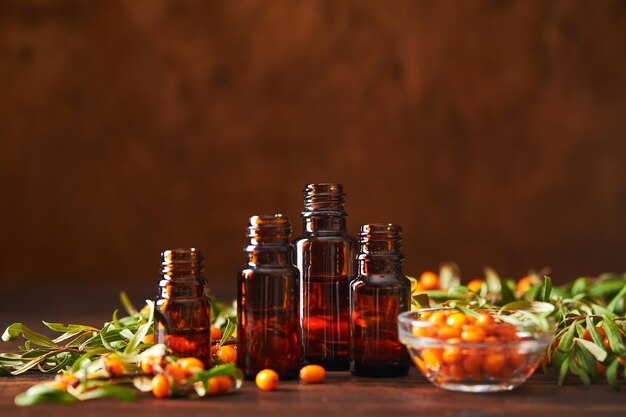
[493,131]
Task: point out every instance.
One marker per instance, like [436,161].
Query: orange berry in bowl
[267,380]
[485,319]
[456,319]
[448,332]
[472,334]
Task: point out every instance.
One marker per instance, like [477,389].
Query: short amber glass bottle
[268,322]
[377,296]
[183,308]
[325,256]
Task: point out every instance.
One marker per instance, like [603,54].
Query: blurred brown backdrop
[493,131]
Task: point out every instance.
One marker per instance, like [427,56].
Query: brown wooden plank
[344,395]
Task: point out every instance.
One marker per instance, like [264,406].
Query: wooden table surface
[344,395]
[340,395]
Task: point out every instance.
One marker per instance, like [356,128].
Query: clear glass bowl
[502,360]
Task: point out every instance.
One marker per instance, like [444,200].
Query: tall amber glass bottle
[268,322]
[377,296]
[183,308]
[325,256]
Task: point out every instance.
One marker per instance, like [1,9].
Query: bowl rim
[406,323]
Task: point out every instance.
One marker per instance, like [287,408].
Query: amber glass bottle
[183,308]
[377,296]
[325,256]
[268,322]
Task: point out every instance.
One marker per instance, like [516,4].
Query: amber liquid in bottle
[377,296]
[183,308]
[325,258]
[268,301]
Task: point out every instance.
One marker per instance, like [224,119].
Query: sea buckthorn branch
[588,312]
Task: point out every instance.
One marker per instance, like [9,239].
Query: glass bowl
[474,356]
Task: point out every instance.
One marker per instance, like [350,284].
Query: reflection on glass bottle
[268,301]
[378,294]
[183,308]
[325,258]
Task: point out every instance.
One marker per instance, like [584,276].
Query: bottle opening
[384,238]
[323,197]
[269,229]
[182,259]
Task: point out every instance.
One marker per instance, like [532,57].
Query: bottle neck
[278,256]
[369,264]
[312,223]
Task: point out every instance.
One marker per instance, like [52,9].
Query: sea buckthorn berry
[69,379]
[456,319]
[225,383]
[429,280]
[475,285]
[438,317]
[507,332]
[524,284]
[56,384]
[491,339]
[472,334]
[424,331]
[606,343]
[516,360]
[432,358]
[312,374]
[452,354]
[213,386]
[113,366]
[472,362]
[175,371]
[190,365]
[448,332]
[485,319]
[493,364]
[267,380]
[149,338]
[455,372]
[160,386]
[227,354]
[216,334]
[425,315]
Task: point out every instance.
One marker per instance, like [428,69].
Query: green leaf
[71,328]
[545,290]
[579,286]
[601,311]
[599,353]
[423,300]
[508,293]
[493,280]
[113,391]
[13,331]
[613,334]
[467,311]
[127,304]
[593,332]
[564,370]
[617,298]
[142,331]
[43,394]
[228,332]
[611,375]
[449,275]
[579,370]
[565,344]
